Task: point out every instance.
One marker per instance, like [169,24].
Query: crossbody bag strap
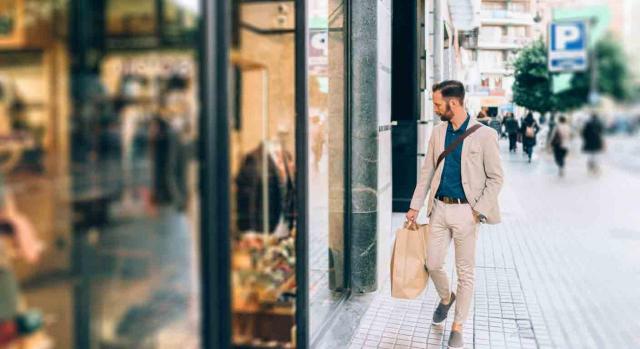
[456,143]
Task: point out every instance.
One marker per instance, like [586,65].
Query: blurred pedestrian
[483,118]
[511,126]
[552,125]
[529,130]
[495,124]
[593,142]
[560,137]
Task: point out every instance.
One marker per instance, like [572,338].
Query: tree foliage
[532,87]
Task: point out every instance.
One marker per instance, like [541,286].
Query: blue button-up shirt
[451,183]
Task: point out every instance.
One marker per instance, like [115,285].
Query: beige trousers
[453,221]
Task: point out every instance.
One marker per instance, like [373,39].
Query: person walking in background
[463,191]
[511,126]
[496,124]
[483,118]
[529,129]
[560,137]
[552,125]
[593,142]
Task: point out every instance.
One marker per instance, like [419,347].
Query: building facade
[505,28]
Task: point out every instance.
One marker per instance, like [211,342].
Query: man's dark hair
[450,89]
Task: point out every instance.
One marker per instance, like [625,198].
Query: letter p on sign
[565,35]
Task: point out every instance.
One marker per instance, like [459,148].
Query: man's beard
[448,115]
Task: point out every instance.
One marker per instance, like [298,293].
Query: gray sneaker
[442,310]
[455,340]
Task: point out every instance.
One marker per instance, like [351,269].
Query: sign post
[568,51]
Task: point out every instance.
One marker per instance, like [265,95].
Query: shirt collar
[462,128]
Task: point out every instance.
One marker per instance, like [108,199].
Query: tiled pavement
[561,271]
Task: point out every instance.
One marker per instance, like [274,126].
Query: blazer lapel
[441,139]
[442,134]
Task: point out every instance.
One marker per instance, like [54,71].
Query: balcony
[496,70]
[506,17]
[502,43]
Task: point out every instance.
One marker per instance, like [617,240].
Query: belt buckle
[451,201]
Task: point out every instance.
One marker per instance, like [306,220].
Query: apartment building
[505,28]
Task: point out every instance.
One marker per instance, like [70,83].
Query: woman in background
[560,137]
[529,130]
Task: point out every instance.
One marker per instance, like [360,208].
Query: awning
[493,101]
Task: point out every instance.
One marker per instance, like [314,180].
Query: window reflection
[326,158]
[98,197]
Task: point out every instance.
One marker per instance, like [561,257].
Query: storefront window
[99,204]
[326,57]
[263,172]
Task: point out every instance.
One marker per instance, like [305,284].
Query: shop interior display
[22,140]
[264,286]
[11,32]
[264,289]
[279,207]
[264,188]
[22,325]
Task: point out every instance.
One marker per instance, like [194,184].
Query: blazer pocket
[474,149]
[475,156]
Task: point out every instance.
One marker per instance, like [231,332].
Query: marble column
[370,89]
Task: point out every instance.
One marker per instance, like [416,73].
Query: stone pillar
[370,107]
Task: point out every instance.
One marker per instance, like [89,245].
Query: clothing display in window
[286,170]
[280,188]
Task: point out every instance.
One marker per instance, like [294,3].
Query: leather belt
[448,200]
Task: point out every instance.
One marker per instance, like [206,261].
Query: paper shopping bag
[409,274]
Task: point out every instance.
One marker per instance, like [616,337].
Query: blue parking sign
[568,46]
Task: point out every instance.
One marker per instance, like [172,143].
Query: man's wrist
[479,217]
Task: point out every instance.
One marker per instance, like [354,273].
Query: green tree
[532,87]
[532,83]
[613,77]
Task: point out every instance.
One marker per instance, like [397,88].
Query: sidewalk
[561,271]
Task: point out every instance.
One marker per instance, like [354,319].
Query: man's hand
[476,217]
[412,215]
[479,218]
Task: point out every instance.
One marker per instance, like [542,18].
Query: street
[561,270]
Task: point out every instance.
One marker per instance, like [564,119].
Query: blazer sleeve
[425,177]
[495,176]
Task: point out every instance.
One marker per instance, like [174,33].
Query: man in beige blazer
[462,192]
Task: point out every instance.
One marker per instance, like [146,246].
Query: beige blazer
[481,168]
